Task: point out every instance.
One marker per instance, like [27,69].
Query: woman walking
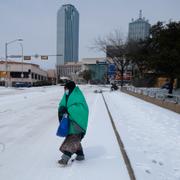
[74,104]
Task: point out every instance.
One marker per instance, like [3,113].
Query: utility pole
[22,74]
[6,76]
[6,59]
[56,74]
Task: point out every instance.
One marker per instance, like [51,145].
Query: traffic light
[27,58]
[44,57]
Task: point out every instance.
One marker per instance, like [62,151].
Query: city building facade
[51,73]
[139,29]
[67,34]
[98,68]
[16,72]
[69,69]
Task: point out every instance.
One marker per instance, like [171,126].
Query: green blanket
[78,111]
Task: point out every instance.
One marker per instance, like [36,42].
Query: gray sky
[35,22]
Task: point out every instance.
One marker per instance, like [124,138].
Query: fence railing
[155,93]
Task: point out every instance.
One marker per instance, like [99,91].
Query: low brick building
[14,72]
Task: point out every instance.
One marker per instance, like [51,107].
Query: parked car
[23,84]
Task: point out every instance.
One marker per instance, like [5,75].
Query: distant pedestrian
[169,85]
[74,104]
[114,87]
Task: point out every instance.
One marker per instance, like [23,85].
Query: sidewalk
[150,135]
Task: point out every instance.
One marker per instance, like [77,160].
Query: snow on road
[151,136]
[29,147]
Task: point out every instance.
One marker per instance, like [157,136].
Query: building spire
[140,14]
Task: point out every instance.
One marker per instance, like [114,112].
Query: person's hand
[63,110]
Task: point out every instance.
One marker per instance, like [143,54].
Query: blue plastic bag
[63,128]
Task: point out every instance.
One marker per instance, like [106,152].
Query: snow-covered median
[151,136]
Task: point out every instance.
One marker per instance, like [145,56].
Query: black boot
[80,155]
[65,158]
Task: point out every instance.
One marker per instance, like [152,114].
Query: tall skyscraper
[139,29]
[67,34]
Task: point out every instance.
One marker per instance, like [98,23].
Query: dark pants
[71,145]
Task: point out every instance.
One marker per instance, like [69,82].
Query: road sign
[15,56]
[44,57]
[111,69]
[27,58]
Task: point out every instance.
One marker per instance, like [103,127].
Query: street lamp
[6,58]
[57,69]
[22,75]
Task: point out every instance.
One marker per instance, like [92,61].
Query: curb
[121,145]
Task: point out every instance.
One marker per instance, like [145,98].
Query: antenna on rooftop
[140,14]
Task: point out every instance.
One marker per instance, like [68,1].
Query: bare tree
[115,48]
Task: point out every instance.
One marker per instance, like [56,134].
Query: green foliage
[87,75]
[164,49]
[137,53]
[160,53]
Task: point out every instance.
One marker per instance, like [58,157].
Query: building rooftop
[73,63]
[15,62]
[68,5]
[140,18]
[93,60]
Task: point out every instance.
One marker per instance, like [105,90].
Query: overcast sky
[35,22]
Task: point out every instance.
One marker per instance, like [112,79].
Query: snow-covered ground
[151,136]
[29,147]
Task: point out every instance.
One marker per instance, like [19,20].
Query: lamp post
[57,69]
[57,74]
[6,58]
[22,74]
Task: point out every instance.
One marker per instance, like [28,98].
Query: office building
[67,34]
[139,29]
[98,68]
[69,69]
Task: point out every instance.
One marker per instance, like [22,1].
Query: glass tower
[67,34]
[139,29]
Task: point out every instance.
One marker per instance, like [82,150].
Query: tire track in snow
[121,145]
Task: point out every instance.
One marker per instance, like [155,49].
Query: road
[28,123]
[29,146]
